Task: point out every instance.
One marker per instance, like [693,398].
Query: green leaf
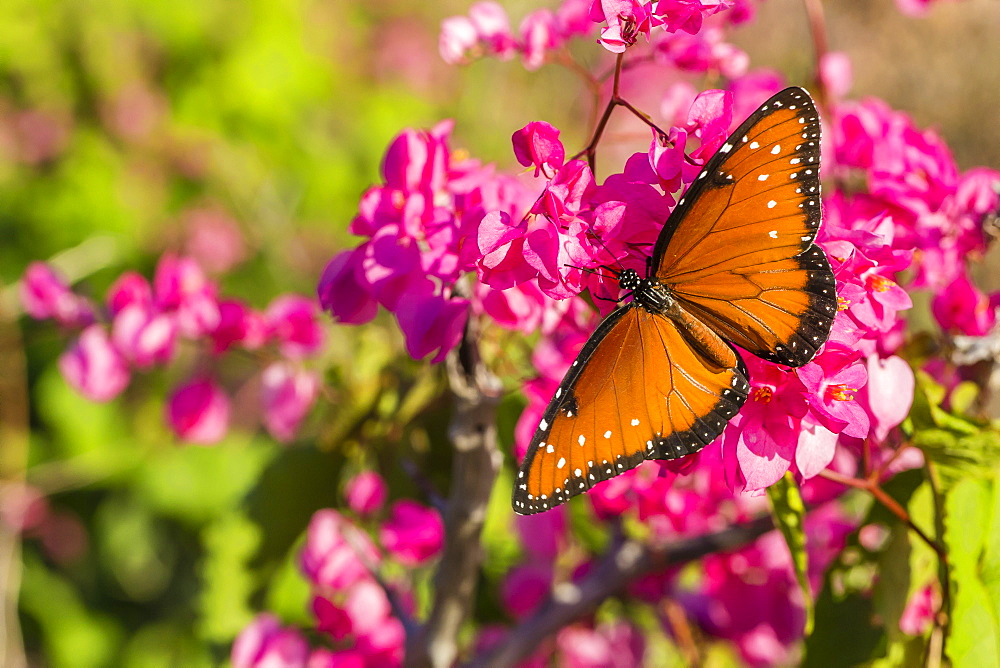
[848,629]
[72,635]
[789,514]
[230,543]
[975,636]
[960,455]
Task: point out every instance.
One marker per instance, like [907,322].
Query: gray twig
[625,561]
[475,466]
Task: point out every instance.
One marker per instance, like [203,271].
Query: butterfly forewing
[738,250]
[639,390]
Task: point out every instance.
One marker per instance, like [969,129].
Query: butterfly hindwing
[738,250]
[639,390]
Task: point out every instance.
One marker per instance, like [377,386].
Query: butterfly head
[629,280]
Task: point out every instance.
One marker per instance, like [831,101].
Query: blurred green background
[123,121]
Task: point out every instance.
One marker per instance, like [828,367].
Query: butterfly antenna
[587,270]
[606,250]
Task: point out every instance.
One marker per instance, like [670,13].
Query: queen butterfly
[735,263]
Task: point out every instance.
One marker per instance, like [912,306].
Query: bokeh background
[243,133]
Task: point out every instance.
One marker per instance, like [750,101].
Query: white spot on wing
[550,449]
[772,204]
[726,148]
[776,150]
[607,434]
[635,422]
[582,439]
[773,234]
[561,463]
[543,425]
[763,177]
[754,145]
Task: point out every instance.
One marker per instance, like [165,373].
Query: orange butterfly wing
[639,390]
[738,250]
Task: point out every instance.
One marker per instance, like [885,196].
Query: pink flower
[342,658]
[145,337]
[238,324]
[919,613]
[330,557]
[836,73]
[457,39]
[815,449]
[391,266]
[344,291]
[367,607]
[709,119]
[265,644]
[617,646]
[888,394]
[918,8]
[492,27]
[213,239]
[130,289]
[760,441]
[432,324]
[524,588]
[365,493]
[292,321]
[417,160]
[412,533]
[198,411]
[94,367]
[667,158]
[687,15]
[626,19]
[286,395]
[180,286]
[961,308]
[702,53]
[540,33]
[537,143]
[45,294]
[331,618]
[833,379]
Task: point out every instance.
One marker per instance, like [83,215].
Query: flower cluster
[143,324]
[932,208]
[674,27]
[486,31]
[352,609]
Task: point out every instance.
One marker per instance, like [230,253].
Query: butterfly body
[734,263]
